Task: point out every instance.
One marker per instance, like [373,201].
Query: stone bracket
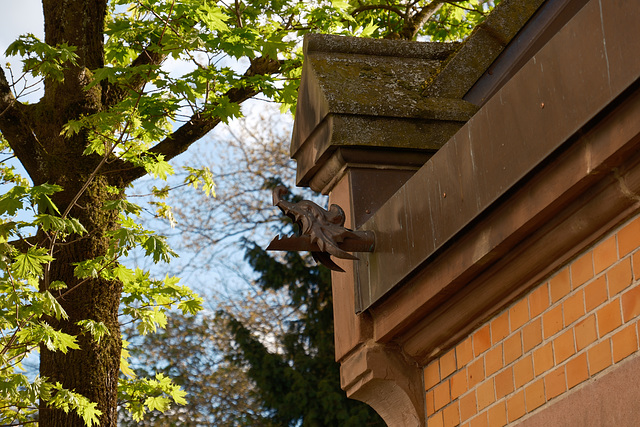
[382,378]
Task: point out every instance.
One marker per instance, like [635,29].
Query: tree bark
[94,369]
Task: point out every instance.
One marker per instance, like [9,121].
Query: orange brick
[636,265]
[573,308]
[485,394]
[481,340]
[493,360]
[519,314]
[629,238]
[595,293]
[542,359]
[599,357]
[468,406]
[523,371]
[563,346]
[532,334]
[436,421]
[512,348]
[605,254]
[479,421]
[498,414]
[431,374]
[458,384]
[631,303]
[577,370]
[619,277]
[609,317]
[441,395]
[560,285]
[624,343]
[552,321]
[585,332]
[504,383]
[447,363]
[515,406]
[555,383]
[582,270]
[539,300]
[534,395]
[500,327]
[451,415]
[430,405]
[464,353]
[475,372]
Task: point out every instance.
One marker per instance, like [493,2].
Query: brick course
[566,331]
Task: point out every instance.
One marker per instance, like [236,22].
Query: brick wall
[567,331]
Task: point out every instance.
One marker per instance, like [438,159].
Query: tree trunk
[94,369]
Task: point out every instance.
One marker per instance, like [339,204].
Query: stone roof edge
[480,49]
[378,47]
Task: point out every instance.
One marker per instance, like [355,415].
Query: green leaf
[124,361]
[122,205]
[198,177]
[45,334]
[30,263]
[212,17]
[158,403]
[10,204]
[57,285]
[51,305]
[88,268]
[370,28]
[192,306]
[158,168]
[124,274]
[158,248]
[96,329]
[49,222]
[90,414]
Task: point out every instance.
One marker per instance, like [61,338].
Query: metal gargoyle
[320,231]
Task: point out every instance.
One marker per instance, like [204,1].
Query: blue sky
[20,17]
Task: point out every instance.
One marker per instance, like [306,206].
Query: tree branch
[112,93]
[15,127]
[378,7]
[412,24]
[199,124]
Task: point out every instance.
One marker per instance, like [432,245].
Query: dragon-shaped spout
[321,231]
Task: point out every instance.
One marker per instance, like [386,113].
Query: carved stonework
[321,231]
[388,382]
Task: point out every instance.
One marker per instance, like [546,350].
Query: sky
[20,17]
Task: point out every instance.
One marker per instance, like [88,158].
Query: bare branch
[455,3]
